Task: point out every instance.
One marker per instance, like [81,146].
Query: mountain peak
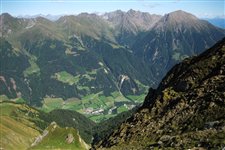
[6,15]
[42,19]
[131,11]
[88,15]
[179,16]
[179,20]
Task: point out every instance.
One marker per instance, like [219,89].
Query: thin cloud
[177,1]
[58,1]
[151,5]
[148,4]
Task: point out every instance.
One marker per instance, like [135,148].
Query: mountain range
[218,21]
[98,65]
[186,111]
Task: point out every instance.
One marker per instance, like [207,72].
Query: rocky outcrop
[69,138]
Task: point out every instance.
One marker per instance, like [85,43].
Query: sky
[200,8]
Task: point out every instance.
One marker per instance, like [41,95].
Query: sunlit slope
[17,125]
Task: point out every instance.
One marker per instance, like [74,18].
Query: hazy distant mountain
[96,63]
[49,16]
[129,24]
[131,21]
[86,24]
[219,22]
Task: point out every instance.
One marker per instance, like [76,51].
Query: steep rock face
[128,25]
[132,20]
[187,109]
[182,35]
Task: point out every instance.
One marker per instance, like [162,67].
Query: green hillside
[68,118]
[98,65]
[60,138]
[24,127]
[19,125]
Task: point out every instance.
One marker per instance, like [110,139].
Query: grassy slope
[16,135]
[20,125]
[56,139]
[68,118]
[16,130]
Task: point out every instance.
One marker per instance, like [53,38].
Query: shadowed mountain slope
[187,109]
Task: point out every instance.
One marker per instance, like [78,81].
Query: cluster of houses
[94,111]
[100,111]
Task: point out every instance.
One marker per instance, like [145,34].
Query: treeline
[88,130]
[68,118]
